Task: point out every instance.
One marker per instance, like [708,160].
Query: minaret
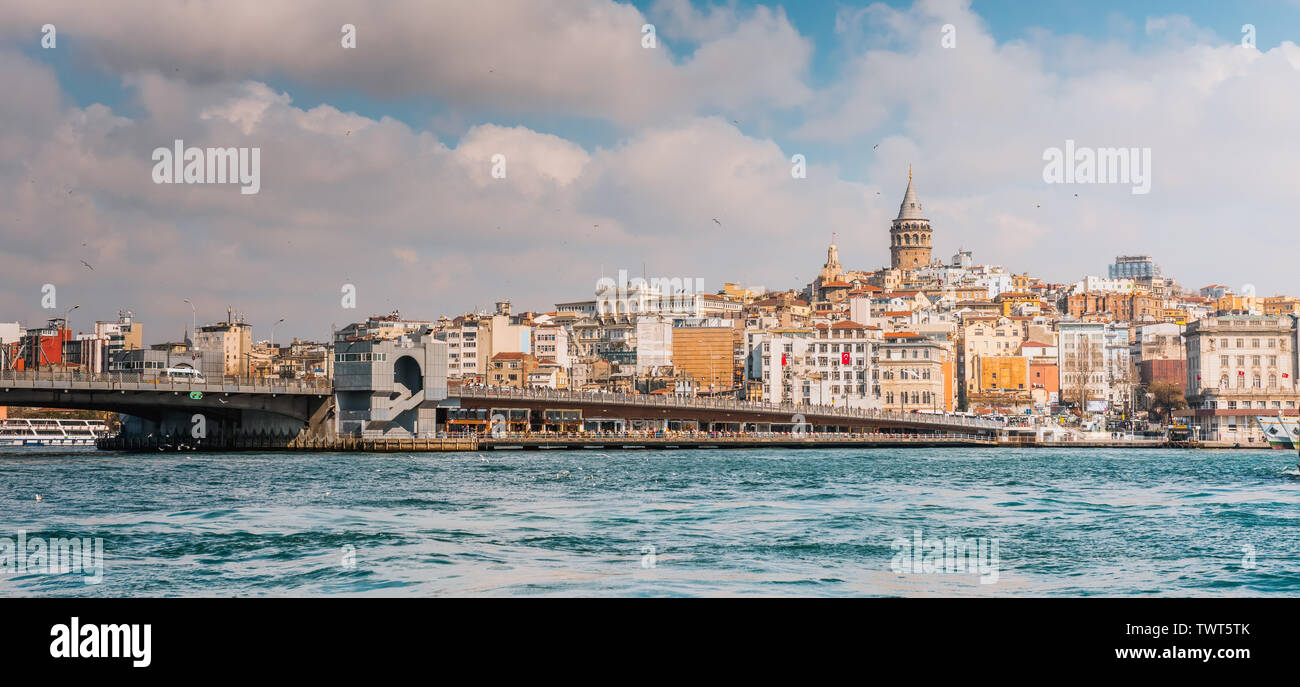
[909,234]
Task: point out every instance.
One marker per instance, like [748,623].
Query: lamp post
[273,331]
[194,318]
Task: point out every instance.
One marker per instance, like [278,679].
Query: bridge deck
[69,381]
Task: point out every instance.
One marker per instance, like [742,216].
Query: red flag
[1241,372]
[783,359]
[1285,375]
[844,358]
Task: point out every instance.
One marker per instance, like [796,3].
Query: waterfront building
[1082,362]
[1240,366]
[231,342]
[11,333]
[912,373]
[983,335]
[706,354]
[511,370]
[827,364]
[551,341]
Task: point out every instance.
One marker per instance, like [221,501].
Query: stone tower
[909,234]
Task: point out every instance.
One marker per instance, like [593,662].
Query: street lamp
[66,318]
[273,331]
[194,318]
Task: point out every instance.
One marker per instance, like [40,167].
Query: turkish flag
[844,358]
[1198,378]
[783,362]
[1241,372]
[1285,375]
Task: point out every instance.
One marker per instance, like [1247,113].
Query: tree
[1082,365]
[1166,397]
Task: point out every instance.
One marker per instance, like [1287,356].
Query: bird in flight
[875,146]
[92,269]
[715,221]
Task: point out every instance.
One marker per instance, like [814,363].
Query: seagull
[715,221]
[347,133]
[38,498]
[875,146]
[223,401]
[92,269]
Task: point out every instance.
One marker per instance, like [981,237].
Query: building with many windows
[1240,366]
[911,369]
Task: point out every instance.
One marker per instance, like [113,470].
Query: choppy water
[721,522]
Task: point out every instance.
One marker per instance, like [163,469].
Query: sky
[377,161]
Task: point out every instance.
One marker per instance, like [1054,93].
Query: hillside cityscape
[1128,349]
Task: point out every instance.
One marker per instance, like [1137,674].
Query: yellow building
[1010,300]
[1280,305]
[1232,303]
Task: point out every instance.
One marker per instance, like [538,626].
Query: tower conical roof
[911,207]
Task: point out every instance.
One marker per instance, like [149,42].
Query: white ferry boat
[1280,431]
[50,432]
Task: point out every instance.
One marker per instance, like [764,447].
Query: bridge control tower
[389,388]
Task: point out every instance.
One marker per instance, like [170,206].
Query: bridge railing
[712,403]
[62,379]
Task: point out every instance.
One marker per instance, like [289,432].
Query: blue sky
[620,156]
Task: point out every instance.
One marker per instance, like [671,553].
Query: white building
[551,341]
[826,364]
[1095,284]
[654,343]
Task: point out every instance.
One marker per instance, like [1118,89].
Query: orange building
[707,355]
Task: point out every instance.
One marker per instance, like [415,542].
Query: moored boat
[1280,431]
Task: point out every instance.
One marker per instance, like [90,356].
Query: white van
[183,374]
